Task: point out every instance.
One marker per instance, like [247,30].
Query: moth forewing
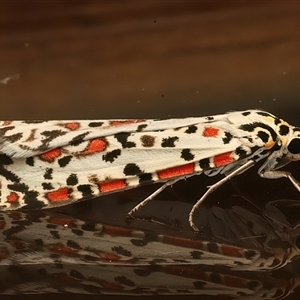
[52,163]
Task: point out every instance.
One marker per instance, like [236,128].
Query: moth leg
[151,197]
[273,174]
[215,186]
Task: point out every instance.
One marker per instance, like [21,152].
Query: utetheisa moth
[52,163]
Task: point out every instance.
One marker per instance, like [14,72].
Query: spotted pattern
[53,163]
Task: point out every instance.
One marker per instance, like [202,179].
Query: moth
[45,164]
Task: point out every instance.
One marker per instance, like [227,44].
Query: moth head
[293,145]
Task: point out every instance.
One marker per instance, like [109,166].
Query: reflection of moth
[53,163]
[42,252]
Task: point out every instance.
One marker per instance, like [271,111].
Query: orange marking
[95,145]
[176,171]
[223,159]
[116,231]
[108,256]
[210,132]
[61,249]
[61,221]
[12,197]
[51,155]
[231,251]
[72,125]
[125,122]
[112,185]
[182,242]
[59,195]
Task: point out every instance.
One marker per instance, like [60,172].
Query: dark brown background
[148,58]
[142,59]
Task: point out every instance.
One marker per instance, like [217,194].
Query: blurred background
[142,59]
[151,59]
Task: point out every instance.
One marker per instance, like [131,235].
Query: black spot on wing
[95,124]
[47,186]
[196,254]
[141,127]
[241,152]
[5,159]
[122,138]
[85,190]
[212,247]
[5,129]
[209,118]
[124,281]
[73,244]
[187,155]
[145,178]
[14,137]
[111,156]
[48,174]
[8,175]
[132,169]
[78,232]
[204,163]
[72,179]
[30,161]
[77,140]
[169,142]
[228,137]
[55,234]
[191,129]
[64,161]
[52,134]
[121,250]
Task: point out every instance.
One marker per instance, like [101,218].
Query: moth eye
[294,146]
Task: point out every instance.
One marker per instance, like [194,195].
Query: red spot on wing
[51,155]
[232,251]
[59,195]
[61,249]
[223,159]
[116,231]
[176,171]
[124,122]
[113,185]
[108,256]
[62,221]
[210,132]
[95,145]
[12,197]
[72,125]
[182,242]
